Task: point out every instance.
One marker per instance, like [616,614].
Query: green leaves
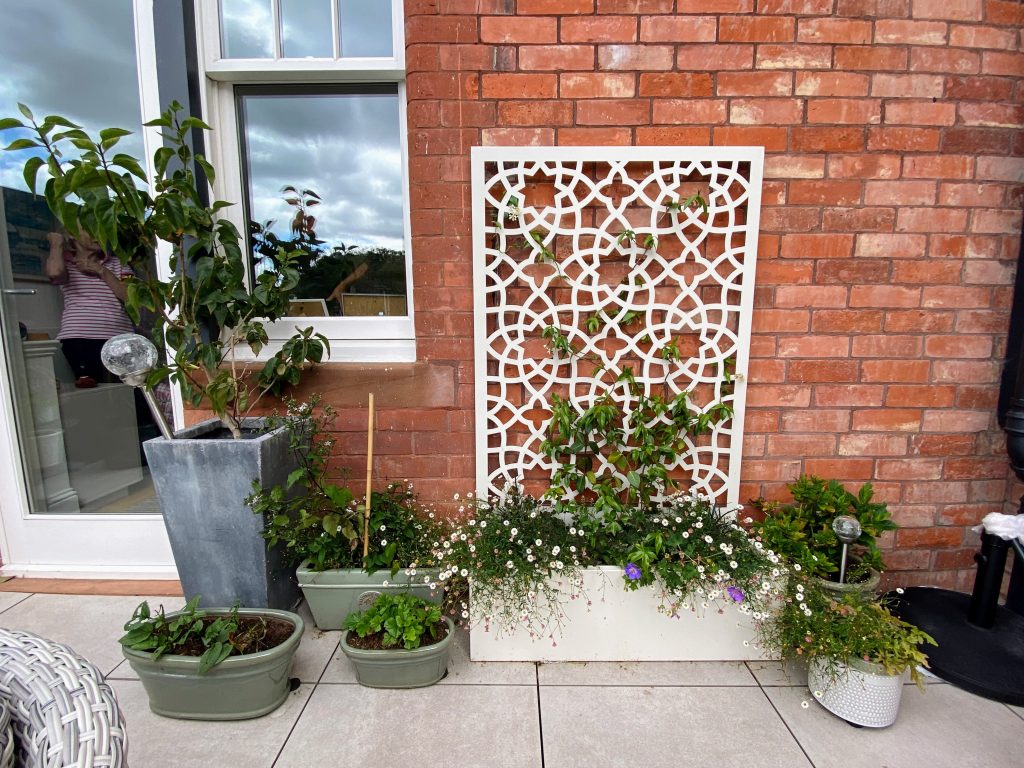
[206,306]
[32,166]
[802,531]
[160,634]
[401,620]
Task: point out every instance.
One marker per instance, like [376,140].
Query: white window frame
[353,339]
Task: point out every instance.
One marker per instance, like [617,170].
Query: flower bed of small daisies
[524,562]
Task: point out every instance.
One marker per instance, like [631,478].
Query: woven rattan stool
[61,710]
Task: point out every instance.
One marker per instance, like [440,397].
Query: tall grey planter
[201,483]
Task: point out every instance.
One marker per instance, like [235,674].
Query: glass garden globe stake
[847,530]
[132,357]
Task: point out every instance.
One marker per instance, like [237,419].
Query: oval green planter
[401,668]
[239,688]
[335,593]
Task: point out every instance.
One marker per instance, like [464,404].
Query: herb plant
[219,636]
[400,620]
[209,307]
[802,531]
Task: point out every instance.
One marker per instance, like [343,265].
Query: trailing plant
[209,307]
[399,619]
[812,623]
[802,533]
[697,556]
[522,562]
[318,519]
[217,636]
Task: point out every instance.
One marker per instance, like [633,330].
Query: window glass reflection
[306,29]
[246,29]
[79,430]
[365,28]
[324,173]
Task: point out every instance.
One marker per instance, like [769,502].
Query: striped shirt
[91,310]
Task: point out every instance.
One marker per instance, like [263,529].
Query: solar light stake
[847,529]
[132,357]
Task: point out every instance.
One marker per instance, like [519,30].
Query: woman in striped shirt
[92,283]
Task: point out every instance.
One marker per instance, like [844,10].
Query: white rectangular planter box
[622,625]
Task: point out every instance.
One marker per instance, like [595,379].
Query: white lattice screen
[594,242]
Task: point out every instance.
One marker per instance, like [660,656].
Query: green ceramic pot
[239,688]
[399,668]
[866,586]
[333,594]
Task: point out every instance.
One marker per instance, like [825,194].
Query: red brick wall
[890,224]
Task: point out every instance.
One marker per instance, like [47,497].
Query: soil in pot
[254,634]
[375,641]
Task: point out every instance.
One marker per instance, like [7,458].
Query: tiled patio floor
[714,714]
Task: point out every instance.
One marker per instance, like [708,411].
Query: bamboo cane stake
[369,480]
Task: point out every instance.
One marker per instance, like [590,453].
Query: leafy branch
[207,308]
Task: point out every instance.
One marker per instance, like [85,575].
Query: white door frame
[83,545]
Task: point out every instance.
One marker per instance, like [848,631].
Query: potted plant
[204,314]
[534,574]
[855,648]
[216,664]
[319,526]
[801,532]
[400,641]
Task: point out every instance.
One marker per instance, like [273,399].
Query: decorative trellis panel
[562,236]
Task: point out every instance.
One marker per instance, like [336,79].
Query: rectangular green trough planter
[334,594]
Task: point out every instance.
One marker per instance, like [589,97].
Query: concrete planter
[401,668]
[859,692]
[239,688]
[624,626]
[333,594]
[201,483]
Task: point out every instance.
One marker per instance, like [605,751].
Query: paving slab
[1019,711]
[163,742]
[943,727]
[650,673]
[90,624]
[699,727]
[10,599]
[453,725]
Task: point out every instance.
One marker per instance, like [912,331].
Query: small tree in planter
[321,527]
[204,312]
[207,308]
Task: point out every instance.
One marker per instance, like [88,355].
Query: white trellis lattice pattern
[596,242]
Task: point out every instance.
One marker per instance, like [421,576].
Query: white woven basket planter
[62,711]
[857,691]
[612,624]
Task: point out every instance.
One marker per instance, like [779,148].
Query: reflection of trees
[326,271]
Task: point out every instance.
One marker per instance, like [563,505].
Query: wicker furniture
[62,712]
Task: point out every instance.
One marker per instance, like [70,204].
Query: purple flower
[735,593]
[632,571]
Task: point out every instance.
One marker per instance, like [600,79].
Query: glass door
[78,498]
